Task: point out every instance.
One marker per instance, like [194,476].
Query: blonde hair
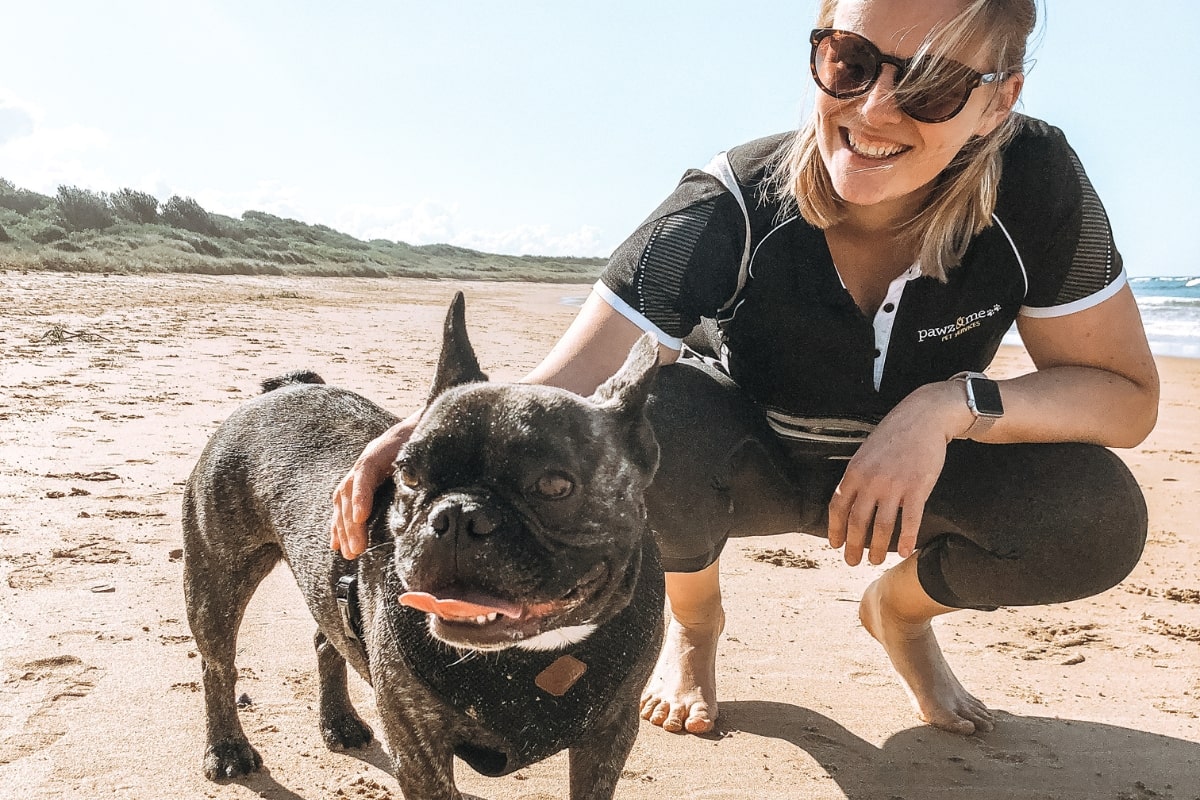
[964,194]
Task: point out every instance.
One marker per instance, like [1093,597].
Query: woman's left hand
[893,473]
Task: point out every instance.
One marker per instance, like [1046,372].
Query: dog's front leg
[596,763]
[423,768]
[422,759]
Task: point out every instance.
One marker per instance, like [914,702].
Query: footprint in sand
[44,692]
[1061,643]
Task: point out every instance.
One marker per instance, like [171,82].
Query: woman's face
[875,153]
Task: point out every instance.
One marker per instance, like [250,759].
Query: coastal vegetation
[128,231]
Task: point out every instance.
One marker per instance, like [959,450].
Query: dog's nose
[461,517]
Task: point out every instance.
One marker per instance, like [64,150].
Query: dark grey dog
[510,604]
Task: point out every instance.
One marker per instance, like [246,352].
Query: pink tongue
[459,609]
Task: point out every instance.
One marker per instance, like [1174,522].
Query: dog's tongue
[461,607]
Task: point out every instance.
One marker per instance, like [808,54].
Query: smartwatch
[983,398]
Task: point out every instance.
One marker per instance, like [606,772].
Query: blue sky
[526,127]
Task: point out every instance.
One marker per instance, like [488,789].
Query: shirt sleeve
[1057,225]
[682,263]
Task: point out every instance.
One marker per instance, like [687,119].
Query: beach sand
[110,386]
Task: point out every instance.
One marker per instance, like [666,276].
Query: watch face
[986,396]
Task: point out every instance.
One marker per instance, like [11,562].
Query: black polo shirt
[792,335]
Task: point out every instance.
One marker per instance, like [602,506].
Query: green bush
[206,247]
[186,213]
[22,201]
[49,234]
[135,206]
[81,209]
[4,237]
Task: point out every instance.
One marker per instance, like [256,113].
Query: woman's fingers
[882,528]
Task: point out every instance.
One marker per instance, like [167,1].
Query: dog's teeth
[491,617]
[482,618]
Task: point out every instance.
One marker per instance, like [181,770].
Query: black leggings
[1006,525]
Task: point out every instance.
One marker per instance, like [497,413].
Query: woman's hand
[353,497]
[893,473]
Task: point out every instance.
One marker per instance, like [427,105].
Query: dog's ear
[628,389]
[457,363]
[625,395]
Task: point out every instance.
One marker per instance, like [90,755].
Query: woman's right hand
[354,495]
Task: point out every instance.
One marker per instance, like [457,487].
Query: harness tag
[561,675]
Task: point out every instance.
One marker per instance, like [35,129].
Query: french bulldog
[510,602]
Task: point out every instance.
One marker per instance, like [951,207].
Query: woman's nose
[879,104]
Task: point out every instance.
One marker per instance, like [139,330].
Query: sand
[110,385]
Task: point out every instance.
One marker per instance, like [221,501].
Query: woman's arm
[1096,382]
[592,350]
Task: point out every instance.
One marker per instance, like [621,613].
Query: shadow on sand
[1024,757]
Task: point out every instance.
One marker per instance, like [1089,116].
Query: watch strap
[982,422]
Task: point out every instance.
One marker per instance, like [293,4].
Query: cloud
[535,240]
[426,222]
[270,196]
[15,122]
[430,222]
[40,157]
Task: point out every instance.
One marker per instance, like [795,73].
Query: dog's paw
[230,758]
[345,732]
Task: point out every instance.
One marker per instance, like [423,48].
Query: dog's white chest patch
[557,638]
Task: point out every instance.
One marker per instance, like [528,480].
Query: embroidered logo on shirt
[945,333]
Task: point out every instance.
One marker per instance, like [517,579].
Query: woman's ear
[1003,101]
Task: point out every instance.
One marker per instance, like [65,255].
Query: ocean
[1170,309]
[1171,314]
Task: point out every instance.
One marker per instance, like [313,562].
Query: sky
[524,126]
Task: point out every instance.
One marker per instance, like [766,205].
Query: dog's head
[519,518]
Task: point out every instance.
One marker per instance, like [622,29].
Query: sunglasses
[847,65]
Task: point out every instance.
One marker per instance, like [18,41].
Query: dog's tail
[287,379]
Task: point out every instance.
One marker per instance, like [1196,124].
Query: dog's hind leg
[217,590]
[341,727]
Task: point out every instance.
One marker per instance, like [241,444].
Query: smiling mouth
[876,151]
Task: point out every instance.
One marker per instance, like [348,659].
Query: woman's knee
[1034,524]
[721,472]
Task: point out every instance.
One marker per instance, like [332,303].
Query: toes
[979,714]
[699,721]
[658,714]
[677,718]
[981,719]
[963,727]
[674,721]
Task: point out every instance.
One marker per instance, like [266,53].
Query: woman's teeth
[873,150]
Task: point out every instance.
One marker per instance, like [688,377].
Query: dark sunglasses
[846,65]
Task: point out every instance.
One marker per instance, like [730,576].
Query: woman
[849,283]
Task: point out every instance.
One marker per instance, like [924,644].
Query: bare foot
[936,694]
[682,693]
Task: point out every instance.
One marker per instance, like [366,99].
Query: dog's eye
[554,486]
[408,476]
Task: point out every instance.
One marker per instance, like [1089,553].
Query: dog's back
[263,481]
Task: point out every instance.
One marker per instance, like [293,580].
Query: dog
[510,602]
